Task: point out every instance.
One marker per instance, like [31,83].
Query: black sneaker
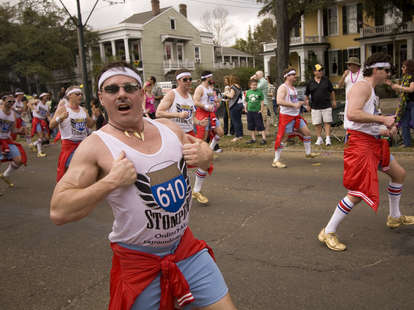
[263,142]
[251,142]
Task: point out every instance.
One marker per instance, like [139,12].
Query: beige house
[229,58]
[158,42]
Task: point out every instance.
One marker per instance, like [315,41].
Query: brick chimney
[155,7]
[183,10]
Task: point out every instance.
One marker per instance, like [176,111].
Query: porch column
[302,65]
[126,47]
[239,60]
[363,55]
[266,60]
[410,48]
[113,48]
[102,51]
[302,26]
[320,25]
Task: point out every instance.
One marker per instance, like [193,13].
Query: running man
[140,166]
[366,153]
[73,121]
[178,105]
[40,110]
[290,120]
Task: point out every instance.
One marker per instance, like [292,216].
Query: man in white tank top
[352,75]
[366,152]
[139,166]
[73,121]
[290,120]
[9,149]
[40,126]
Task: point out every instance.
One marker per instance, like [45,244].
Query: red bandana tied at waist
[361,159]
[285,119]
[42,123]
[132,271]
[6,142]
[68,147]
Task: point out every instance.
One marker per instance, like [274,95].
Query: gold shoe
[278,164]
[331,241]
[200,197]
[6,180]
[41,155]
[394,222]
[312,155]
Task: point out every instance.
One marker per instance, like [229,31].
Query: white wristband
[58,119]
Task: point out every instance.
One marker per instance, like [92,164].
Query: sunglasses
[11,101]
[187,79]
[128,88]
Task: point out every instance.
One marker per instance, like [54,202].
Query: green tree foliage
[38,39]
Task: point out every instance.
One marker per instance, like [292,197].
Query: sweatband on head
[119,71]
[207,76]
[380,65]
[289,73]
[19,93]
[183,74]
[43,94]
[75,90]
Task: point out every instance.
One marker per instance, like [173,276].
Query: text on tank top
[41,110]
[74,127]
[371,107]
[6,124]
[292,96]
[18,105]
[208,96]
[182,104]
[155,210]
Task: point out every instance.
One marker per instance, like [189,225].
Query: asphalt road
[261,222]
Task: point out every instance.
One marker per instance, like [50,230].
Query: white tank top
[18,105]
[6,124]
[351,79]
[208,97]
[182,104]
[74,126]
[41,110]
[155,210]
[371,107]
[292,97]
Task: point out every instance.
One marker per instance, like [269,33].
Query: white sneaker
[319,141]
[328,141]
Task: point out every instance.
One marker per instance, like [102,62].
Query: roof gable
[142,18]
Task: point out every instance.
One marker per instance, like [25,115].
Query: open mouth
[123,107]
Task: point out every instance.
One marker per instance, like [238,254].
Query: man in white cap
[140,166]
[40,110]
[366,153]
[352,75]
[73,121]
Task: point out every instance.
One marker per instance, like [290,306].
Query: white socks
[199,179]
[278,152]
[342,209]
[215,140]
[394,195]
[38,144]
[307,144]
[12,166]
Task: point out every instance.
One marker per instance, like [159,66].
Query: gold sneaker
[331,241]
[278,164]
[312,155]
[200,197]
[394,222]
[6,180]
[41,155]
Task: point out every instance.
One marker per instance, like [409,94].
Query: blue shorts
[201,272]
[14,152]
[67,163]
[289,126]
[39,128]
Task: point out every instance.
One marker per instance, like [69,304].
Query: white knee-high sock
[307,144]
[342,209]
[215,140]
[394,195]
[12,166]
[278,152]
[39,145]
[199,179]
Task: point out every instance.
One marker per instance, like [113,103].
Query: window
[197,53]
[168,51]
[332,21]
[180,52]
[350,19]
[333,62]
[172,23]
[354,52]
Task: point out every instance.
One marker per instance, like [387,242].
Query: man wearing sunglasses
[366,153]
[9,150]
[140,166]
[73,121]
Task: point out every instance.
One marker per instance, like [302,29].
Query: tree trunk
[282,38]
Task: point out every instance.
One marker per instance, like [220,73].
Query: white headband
[119,71]
[19,93]
[75,90]
[289,73]
[183,74]
[380,65]
[43,94]
[207,76]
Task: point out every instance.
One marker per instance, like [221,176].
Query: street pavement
[261,222]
